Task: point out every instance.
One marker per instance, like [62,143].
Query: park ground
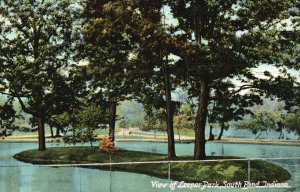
[135,134]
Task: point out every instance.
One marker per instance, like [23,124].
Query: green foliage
[84,122]
[228,105]
[7,118]
[271,116]
[261,121]
[129,52]
[60,121]
[185,118]
[217,40]
[38,41]
[107,47]
[155,120]
[292,122]
[90,117]
[224,39]
[215,31]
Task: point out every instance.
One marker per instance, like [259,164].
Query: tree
[84,122]
[155,120]
[130,40]
[227,104]
[292,123]
[261,121]
[107,48]
[37,45]
[154,63]
[223,39]
[184,119]
[70,92]
[7,118]
[60,122]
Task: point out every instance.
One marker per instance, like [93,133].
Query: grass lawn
[220,171]
[185,132]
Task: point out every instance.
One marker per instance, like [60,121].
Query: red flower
[108,146]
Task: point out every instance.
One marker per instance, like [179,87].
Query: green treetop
[37,45]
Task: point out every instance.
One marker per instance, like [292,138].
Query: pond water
[17,176]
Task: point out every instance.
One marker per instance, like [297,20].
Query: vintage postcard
[139,95]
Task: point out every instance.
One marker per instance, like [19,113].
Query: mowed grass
[210,171]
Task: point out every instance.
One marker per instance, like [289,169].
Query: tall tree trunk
[170,126]
[40,118]
[280,127]
[211,136]
[51,131]
[41,132]
[1,133]
[112,119]
[57,132]
[199,150]
[222,131]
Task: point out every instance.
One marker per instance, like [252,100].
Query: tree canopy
[37,45]
[61,59]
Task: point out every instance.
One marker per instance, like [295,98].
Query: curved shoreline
[132,161]
[31,139]
[258,142]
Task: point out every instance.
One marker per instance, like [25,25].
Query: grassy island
[211,171]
